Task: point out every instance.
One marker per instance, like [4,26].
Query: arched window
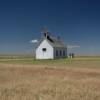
[60,53]
[56,52]
[63,52]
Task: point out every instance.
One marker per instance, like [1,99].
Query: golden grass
[48,82]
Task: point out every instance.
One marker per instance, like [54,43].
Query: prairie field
[63,79]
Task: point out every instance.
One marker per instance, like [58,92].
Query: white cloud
[34,41]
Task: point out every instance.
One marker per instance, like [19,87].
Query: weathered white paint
[48,54]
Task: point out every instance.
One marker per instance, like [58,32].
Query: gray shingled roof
[53,42]
[57,43]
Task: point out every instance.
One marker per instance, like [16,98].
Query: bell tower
[44,31]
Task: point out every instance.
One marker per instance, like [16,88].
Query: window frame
[44,49]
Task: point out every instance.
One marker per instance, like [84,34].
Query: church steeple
[45,32]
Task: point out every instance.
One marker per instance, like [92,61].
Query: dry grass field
[77,79]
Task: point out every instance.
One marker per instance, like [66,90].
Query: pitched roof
[54,42]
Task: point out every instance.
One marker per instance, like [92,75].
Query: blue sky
[77,22]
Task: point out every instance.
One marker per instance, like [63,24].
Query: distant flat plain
[24,78]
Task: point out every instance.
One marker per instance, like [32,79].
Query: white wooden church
[50,48]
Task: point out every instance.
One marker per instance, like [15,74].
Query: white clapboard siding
[48,54]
